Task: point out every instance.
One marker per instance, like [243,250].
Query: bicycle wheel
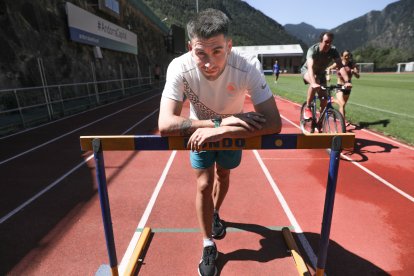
[306,125]
[333,122]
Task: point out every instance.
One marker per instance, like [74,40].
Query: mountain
[305,32]
[392,27]
[244,30]
[384,37]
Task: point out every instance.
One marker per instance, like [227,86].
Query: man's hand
[250,120]
[355,73]
[315,85]
[203,135]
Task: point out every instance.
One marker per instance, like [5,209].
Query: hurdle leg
[105,209]
[329,204]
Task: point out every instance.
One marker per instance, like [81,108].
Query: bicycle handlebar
[333,86]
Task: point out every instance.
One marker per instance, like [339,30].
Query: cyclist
[342,95]
[318,58]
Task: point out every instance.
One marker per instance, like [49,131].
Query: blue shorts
[227,159]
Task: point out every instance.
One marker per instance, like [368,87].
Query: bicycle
[329,119]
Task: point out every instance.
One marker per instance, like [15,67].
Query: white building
[405,67]
[289,56]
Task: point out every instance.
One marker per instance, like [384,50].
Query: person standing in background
[276,70]
[157,73]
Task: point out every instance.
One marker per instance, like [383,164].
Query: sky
[318,13]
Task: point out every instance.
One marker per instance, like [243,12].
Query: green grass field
[380,102]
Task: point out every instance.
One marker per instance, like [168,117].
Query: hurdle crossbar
[271,141]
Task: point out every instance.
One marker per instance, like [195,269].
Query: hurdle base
[138,250]
[294,250]
[106,270]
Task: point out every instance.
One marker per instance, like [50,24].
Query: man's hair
[208,23]
[328,34]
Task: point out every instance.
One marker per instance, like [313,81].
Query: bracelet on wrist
[217,121]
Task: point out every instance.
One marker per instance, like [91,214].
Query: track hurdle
[98,144]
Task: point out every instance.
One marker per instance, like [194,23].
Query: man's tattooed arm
[185,129]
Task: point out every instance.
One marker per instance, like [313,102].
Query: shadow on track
[364,146]
[362,125]
[339,262]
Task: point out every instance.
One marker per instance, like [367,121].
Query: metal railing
[27,107]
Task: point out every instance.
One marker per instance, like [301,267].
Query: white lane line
[367,107]
[145,216]
[72,131]
[73,115]
[289,121]
[365,130]
[305,244]
[50,186]
[381,110]
[139,122]
[388,139]
[379,178]
[57,181]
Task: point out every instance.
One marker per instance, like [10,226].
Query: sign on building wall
[85,27]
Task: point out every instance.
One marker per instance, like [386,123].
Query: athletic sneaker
[207,266]
[218,229]
[307,113]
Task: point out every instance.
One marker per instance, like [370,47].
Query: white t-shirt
[222,97]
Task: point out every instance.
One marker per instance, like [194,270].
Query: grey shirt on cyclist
[321,60]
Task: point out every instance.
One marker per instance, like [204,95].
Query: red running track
[60,232]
